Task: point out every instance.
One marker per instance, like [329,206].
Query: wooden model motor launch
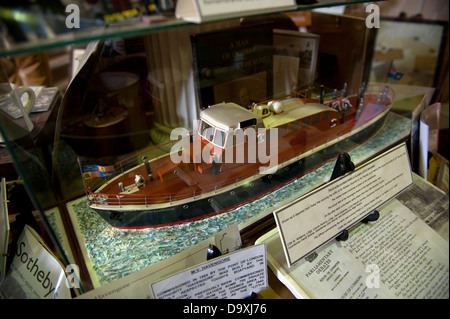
[235,156]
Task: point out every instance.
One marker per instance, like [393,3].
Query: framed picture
[345,49]
[233,64]
[295,60]
[409,52]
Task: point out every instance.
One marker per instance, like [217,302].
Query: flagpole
[389,71]
[82,177]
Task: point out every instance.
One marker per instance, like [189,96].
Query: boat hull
[214,204]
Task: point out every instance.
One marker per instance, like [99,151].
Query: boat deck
[173,182]
[178,181]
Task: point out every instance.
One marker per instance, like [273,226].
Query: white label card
[35,273]
[321,215]
[236,275]
[201,10]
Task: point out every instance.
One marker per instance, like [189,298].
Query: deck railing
[118,199]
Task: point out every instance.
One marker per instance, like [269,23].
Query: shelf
[128,28]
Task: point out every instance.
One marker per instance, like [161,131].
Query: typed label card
[323,214]
[235,275]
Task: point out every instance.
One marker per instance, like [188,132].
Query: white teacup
[16,96]
[13,93]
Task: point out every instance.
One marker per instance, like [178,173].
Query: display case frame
[56,210]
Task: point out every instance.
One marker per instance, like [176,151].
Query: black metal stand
[344,165]
[253,295]
[212,252]
[372,217]
[343,236]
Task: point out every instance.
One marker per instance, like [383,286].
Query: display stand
[344,165]
[212,252]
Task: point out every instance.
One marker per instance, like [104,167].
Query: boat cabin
[221,119]
[227,128]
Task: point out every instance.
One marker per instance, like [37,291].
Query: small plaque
[314,219]
[203,10]
[35,272]
[236,275]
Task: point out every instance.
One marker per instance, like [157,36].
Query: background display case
[127,77]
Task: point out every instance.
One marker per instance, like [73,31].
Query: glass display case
[128,165]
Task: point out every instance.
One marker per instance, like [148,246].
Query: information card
[236,275]
[203,10]
[321,215]
[35,273]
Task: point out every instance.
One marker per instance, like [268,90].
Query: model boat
[235,156]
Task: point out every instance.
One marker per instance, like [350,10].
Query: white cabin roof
[227,116]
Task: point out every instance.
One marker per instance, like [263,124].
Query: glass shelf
[128,28]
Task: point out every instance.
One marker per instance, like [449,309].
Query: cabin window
[210,134]
[325,115]
[315,118]
[282,130]
[294,126]
[207,131]
[305,122]
[219,139]
[203,128]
